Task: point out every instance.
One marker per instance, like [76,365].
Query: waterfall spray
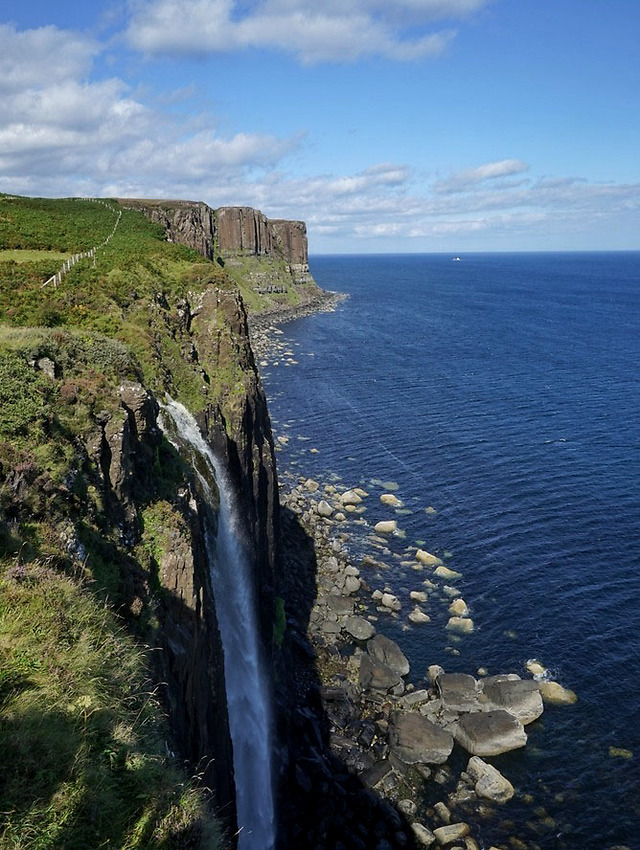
[247,689]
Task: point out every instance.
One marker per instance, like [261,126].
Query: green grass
[31,256]
[82,733]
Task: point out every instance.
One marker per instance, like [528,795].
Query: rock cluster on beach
[396,729]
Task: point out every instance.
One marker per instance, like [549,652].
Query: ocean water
[503,391]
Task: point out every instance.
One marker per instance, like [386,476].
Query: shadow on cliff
[324,803]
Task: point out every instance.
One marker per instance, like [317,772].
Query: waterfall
[247,688]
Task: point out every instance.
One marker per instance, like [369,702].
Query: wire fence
[56,278]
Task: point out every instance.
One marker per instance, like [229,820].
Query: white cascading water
[248,699]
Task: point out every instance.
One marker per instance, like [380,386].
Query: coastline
[366,697]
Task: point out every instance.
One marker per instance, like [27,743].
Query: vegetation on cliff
[97,532]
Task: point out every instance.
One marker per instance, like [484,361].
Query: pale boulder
[324,509]
[386,526]
[445,572]
[554,694]
[350,498]
[489,782]
[390,500]
[459,608]
[453,832]
[428,559]
[460,625]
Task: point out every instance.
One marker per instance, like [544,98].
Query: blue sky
[387,125]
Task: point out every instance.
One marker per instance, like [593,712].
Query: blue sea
[503,391]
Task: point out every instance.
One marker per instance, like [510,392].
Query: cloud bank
[313,32]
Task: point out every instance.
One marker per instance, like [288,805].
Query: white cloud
[465,180]
[63,133]
[314,32]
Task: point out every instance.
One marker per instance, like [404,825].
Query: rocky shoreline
[262,325]
[420,744]
[398,736]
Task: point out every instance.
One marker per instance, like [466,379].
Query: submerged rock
[386,526]
[390,500]
[555,694]
[428,559]
[460,625]
[445,572]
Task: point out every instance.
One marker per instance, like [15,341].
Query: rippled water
[502,390]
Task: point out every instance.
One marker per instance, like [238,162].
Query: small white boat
[456,259]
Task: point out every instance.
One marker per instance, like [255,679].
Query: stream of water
[248,697]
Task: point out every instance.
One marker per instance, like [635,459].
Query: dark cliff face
[229,232]
[189,223]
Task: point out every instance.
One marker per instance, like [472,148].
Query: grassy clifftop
[83,759]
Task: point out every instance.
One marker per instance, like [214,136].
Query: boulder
[433,672]
[386,526]
[423,836]
[520,697]
[460,625]
[418,616]
[489,782]
[428,559]
[453,832]
[350,498]
[555,694]
[324,509]
[445,572]
[418,596]
[459,608]
[389,653]
[358,628]
[388,600]
[376,676]
[458,691]
[390,500]
[490,733]
[416,740]
[535,667]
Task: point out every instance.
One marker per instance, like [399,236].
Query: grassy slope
[82,736]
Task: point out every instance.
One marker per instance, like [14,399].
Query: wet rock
[376,676]
[386,526]
[535,667]
[389,653]
[453,832]
[490,733]
[489,782]
[459,608]
[460,625]
[520,697]
[428,559]
[418,616]
[359,628]
[390,500]
[418,596]
[415,739]
[554,694]
[445,572]
[390,601]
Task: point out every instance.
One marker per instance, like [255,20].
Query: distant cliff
[229,234]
